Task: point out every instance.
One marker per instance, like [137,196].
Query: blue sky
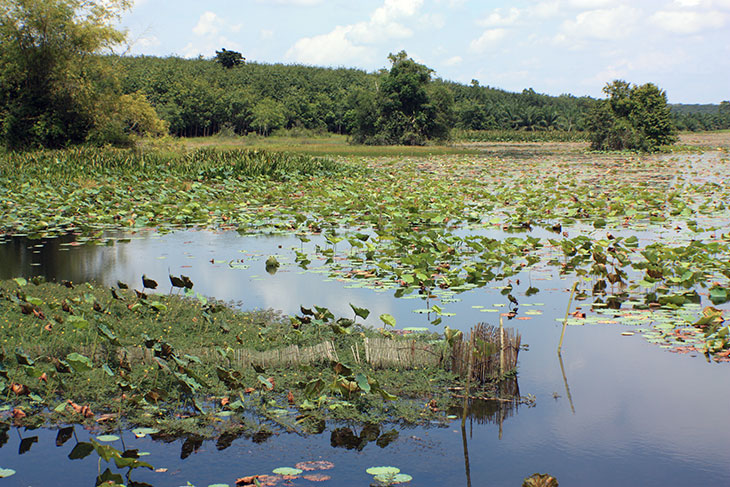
[552,46]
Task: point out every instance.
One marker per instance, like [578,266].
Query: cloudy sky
[552,46]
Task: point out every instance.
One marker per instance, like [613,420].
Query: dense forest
[701,117]
[199,97]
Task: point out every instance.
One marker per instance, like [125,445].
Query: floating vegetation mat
[115,357]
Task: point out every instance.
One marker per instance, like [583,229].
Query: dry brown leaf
[315,465]
[317,477]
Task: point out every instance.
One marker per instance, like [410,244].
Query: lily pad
[107,438]
[6,472]
[287,471]
[383,470]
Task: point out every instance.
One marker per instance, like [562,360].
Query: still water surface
[640,415]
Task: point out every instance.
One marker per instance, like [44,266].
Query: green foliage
[50,86]
[198,98]
[229,59]
[409,109]
[267,115]
[633,117]
[701,117]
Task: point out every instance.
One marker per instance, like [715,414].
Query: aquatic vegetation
[79,354]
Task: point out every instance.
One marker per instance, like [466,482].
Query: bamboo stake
[565,321]
[468,380]
[501,347]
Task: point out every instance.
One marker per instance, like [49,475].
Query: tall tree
[409,110]
[632,117]
[49,82]
[229,59]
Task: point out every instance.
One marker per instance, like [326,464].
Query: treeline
[701,117]
[200,97]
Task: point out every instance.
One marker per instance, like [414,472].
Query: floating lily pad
[142,432]
[383,470]
[287,471]
[6,472]
[107,438]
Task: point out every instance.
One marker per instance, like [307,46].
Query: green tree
[409,109]
[632,117]
[50,83]
[267,115]
[229,59]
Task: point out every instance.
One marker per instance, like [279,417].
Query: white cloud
[147,42]
[546,9]
[490,38]
[266,34]
[688,22]
[500,18]
[453,61]
[590,4]
[209,46]
[606,24]
[351,42]
[436,21]
[208,24]
[293,2]
[328,49]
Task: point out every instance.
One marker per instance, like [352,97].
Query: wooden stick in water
[565,321]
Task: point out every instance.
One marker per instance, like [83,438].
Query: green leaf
[383,470]
[107,333]
[20,281]
[387,319]
[77,322]
[265,382]
[79,362]
[107,438]
[287,471]
[361,312]
[362,382]
[108,476]
[142,432]
[22,358]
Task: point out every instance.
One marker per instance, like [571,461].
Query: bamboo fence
[405,354]
[495,352]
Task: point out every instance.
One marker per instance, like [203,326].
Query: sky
[552,46]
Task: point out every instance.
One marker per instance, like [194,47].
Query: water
[635,414]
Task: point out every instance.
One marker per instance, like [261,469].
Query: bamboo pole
[565,321]
[501,347]
[468,380]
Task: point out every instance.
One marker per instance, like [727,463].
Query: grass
[332,145]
